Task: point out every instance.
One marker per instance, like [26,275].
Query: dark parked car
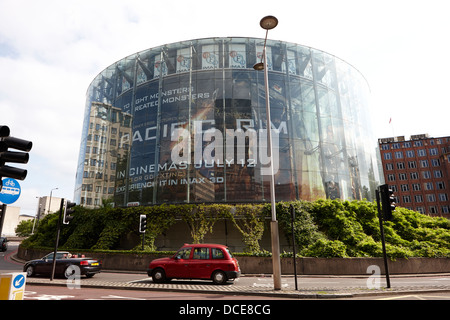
[196,261]
[64,265]
[3,244]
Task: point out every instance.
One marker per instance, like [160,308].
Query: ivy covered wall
[323,228]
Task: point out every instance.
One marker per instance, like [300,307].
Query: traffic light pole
[380,218]
[2,215]
[52,275]
[293,245]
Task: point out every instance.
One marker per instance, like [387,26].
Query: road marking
[418,297]
[140,280]
[45,296]
[120,297]
[268,285]
[396,297]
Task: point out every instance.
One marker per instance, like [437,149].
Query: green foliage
[324,248]
[323,228]
[306,231]
[249,220]
[335,228]
[86,227]
[24,228]
[200,221]
[159,219]
[356,224]
[110,235]
[45,235]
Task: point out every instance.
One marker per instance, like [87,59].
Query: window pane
[201,253]
[217,253]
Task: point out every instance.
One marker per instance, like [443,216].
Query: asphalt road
[6,263]
[38,292]
[303,282]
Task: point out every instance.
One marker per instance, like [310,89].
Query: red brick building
[418,171]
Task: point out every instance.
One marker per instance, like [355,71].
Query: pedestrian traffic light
[142,223]
[387,202]
[68,211]
[6,155]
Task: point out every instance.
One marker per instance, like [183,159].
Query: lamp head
[268,22]
[259,66]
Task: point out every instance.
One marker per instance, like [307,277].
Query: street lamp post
[50,200]
[268,23]
[36,217]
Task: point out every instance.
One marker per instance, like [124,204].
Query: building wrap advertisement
[187,124]
[200,147]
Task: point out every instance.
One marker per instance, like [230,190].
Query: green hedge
[322,228]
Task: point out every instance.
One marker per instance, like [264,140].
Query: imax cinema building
[186,123]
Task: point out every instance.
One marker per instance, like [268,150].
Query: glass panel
[201,254]
[186,122]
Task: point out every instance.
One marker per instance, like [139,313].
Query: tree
[24,228]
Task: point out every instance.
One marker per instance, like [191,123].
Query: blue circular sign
[18,281]
[10,191]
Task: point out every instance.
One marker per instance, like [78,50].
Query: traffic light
[387,201]
[6,155]
[142,223]
[67,211]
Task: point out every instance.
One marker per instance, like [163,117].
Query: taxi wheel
[219,277]
[158,276]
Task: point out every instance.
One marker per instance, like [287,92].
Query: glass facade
[186,123]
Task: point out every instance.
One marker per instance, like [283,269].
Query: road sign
[12,285]
[10,191]
[19,281]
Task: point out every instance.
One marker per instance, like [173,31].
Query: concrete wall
[224,232]
[263,265]
[345,266]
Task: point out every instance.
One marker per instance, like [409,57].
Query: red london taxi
[196,261]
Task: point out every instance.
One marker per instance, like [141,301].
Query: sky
[51,50]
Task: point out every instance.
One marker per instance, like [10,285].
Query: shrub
[324,248]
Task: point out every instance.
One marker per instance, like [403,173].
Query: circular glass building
[186,123]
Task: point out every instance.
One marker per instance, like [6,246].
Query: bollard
[12,285]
